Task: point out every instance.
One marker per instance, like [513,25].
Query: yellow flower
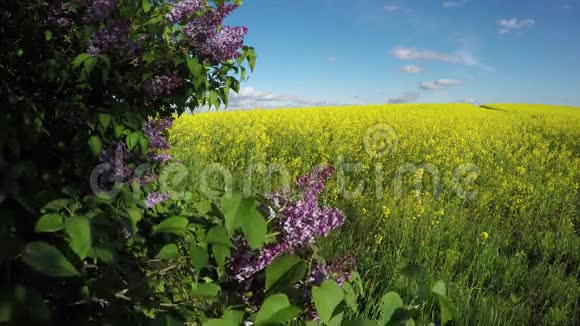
[483,236]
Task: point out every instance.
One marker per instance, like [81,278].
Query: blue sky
[312,52]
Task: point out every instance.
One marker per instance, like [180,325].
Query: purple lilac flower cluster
[58,16]
[116,156]
[224,45]
[155,130]
[339,270]
[164,85]
[108,38]
[300,221]
[216,45]
[155,198]
[184,8]
[99,10]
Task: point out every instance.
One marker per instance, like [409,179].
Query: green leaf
[95,145]
[56,204]
[105,120]
[169,251]
[448,309]
[146,4]
[49,223]
[219,235]
[80,59]
[105,254]
[47,35]
[276,309]
[239,211]
[78,229]
[251,58]
[89,65]
[213,99]
[336,319]
[194,66]
[207,290]
[133,139]
[350,296]
[199,257]
[231,318]
[221,254]
[439,288]
[176,225]
[279,267]
[134,215]
[48,260]
[326,298]
[144,144]
[390,302]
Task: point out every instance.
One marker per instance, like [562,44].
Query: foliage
[509,254]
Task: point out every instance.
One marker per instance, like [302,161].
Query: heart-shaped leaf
[390,302]
[95,145]
[48,260]
[78,229]
[276,310]
[199,257]
[239,211]
[326,298]
[169,252]
[176,225]
[279,267]
[49,223]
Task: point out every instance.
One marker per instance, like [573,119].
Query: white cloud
[441,83]
[459,57]
[391,8]
[411,69]
[249,98]
[409,96]
[509,25]
[453,4]
[470,101]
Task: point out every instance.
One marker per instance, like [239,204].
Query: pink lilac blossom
[183,9]
[99,10]
[155,198]
[108,38]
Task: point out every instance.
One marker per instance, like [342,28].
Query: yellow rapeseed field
[485,198]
